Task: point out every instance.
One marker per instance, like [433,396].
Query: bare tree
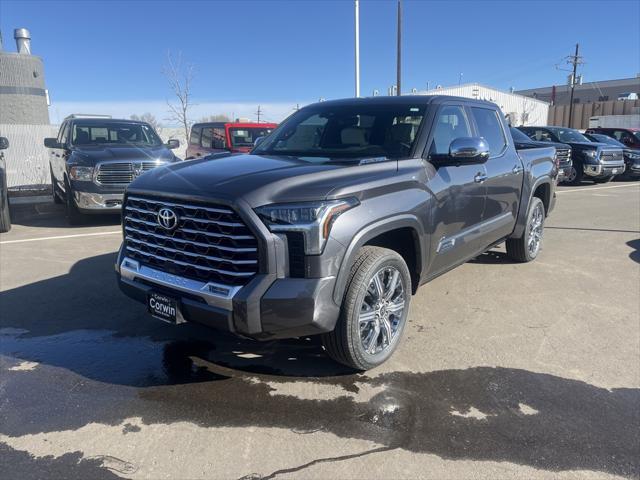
[220,117]
[148,118]
[180,75]
[527,109]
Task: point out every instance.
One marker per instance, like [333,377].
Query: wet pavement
[507,371]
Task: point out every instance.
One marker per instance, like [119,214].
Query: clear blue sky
[298,51]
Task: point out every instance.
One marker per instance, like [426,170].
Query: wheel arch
[404,234]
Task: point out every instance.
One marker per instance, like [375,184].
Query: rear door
[459,191]
[504,174]
[58,156]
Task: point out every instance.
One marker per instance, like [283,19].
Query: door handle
[517,169]
[480,177]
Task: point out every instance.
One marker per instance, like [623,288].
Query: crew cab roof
[95,120]
[406,100]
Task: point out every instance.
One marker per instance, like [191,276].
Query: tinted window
[539,135]
[451,123]
[114,133]
[568,135]
[194,139]
[64,134]
[244,137]
[219,138]
[490,129]
[518,136]
[329,131]
[207,135]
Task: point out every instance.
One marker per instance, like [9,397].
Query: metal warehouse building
[520,110]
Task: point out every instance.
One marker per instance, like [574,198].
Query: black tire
[74,217]
[604,180]
[575,176]
[55,192]
[5,216]
[518,248]
[344,343]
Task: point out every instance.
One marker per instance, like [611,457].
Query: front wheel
[74,217]
[575,176]
[374,310]
[526,248]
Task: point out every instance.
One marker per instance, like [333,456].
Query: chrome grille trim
[564,154]
[210,244]
[612,156]
[122,173]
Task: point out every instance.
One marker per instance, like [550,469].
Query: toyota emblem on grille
[167,218]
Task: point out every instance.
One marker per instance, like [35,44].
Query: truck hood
[91,154]
[259,180]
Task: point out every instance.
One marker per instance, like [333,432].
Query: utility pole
[357,13]
[575,60]
[258,113]
[399,59]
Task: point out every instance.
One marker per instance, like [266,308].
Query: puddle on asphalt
[498,414]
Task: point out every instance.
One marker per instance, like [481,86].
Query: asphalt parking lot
[507,370]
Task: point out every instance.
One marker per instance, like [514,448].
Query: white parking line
[597,188]
[97,234]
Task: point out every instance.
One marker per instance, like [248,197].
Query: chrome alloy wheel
[572,175]
[536,230]
[381,312]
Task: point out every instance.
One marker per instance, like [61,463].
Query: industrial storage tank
[23,95]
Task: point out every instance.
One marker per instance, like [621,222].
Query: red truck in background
[216,137]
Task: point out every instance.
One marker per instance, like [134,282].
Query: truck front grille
[611,156]
[209,243]
[564,155]
[123,173]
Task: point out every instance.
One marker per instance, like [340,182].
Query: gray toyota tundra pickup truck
[333,221]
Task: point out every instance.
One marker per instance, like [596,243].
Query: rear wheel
[74,217]
[575,176]
[526,248]
[374,310]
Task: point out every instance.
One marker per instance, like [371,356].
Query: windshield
[114,133]
[518,136]
[326,132]
[604,139]
[245,136]
[567,135]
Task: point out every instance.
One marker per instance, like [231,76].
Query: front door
[459,193]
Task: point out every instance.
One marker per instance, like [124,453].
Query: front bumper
[265,308]
[633,169]
[603,170]
[93,202]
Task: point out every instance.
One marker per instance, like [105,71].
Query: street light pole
[399,59]
[357,12]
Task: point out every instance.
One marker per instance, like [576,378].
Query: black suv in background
[631,156]
[5,218]
[563,151]
[94,158]
[599,162]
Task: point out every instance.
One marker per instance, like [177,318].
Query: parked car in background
[563,151]
[5,217]
[220,137]
[599,162]
[631,156]
[333,221]
[94,158]
[629,137]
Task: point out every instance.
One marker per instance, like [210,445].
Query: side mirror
[4,143]
[469,150]
[52,143]
[258,141]
[173,144]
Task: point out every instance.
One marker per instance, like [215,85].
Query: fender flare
[524,207]
[370,231]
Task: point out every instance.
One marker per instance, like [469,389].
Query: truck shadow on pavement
[635,254]
[74,351]
[49,215]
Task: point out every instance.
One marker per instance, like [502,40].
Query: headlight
[633,156]
[591,153]
[313,219]
[84,174]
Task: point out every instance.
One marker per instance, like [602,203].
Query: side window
[64,134]
[451,123]
[490,129]
[194,139]
[219,138]
[206,137]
